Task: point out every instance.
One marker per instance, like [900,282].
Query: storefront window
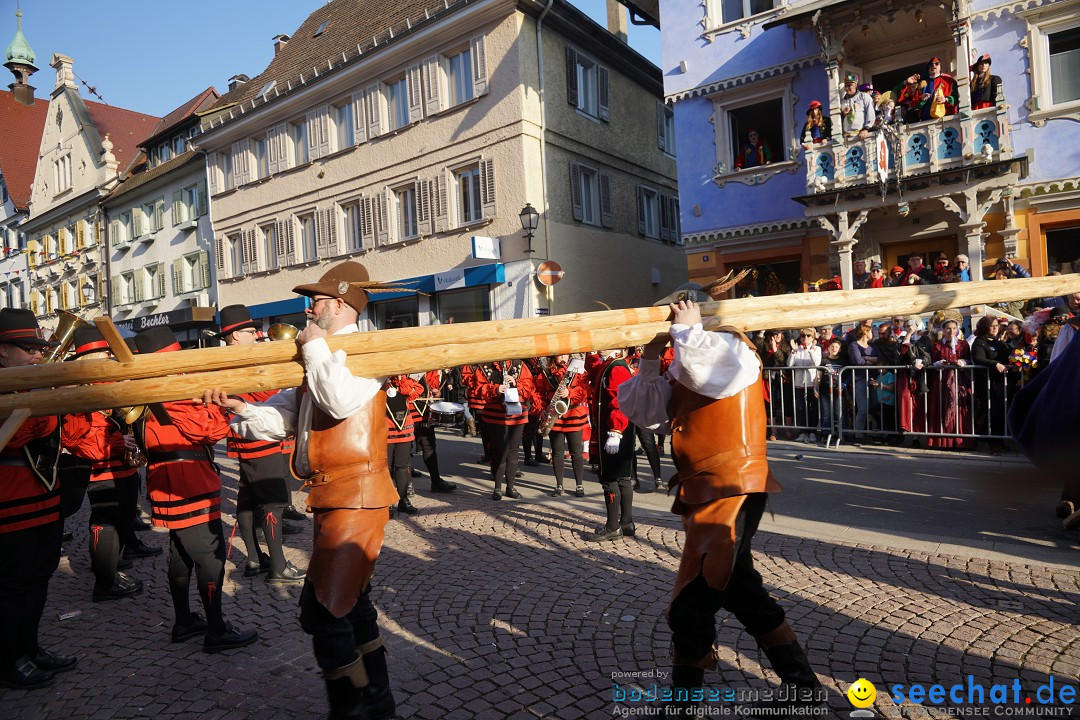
[396,313]
[472,305]
[1063,249]
[295,319]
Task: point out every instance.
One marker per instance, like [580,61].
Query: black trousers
[532,441]
[261,497]
[648,443]
[559,442]
[28,559]
[504,454]
[425,438]
[398,457]
[485,430]
[335,639]
[692,617]
[112,510]
[200,548]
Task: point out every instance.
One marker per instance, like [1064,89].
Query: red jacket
[400,411]
[487,379]
[103,445]
[613,373]
[247,448]
[577,416]
[181,479]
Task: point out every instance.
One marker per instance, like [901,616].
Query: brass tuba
[65,335]
[282,331]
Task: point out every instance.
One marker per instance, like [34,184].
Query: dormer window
[322,28]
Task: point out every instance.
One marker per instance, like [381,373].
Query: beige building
[412,147]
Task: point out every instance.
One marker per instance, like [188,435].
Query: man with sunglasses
[30,524]
[937,89]
[340,424]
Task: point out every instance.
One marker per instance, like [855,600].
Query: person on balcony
[754,152]
[917,273]
[877,276]
[962,267]
[896,277]
[938,95]
[817,130]
[860,279]
[907,96]
[856,109]
[985,88]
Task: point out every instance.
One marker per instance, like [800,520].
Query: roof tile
[23,125]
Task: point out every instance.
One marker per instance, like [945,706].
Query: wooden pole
[17,417]
[184,375]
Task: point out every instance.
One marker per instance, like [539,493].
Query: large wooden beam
[184,375]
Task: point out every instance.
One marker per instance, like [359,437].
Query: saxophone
[558,406]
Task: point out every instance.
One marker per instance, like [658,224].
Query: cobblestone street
[500,610]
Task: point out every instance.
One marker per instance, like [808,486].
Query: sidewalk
[900,569]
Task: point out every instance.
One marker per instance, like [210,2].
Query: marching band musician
[498,384]
[401,391]
[475,403]
[30,526]
[262,486]
[615,435]
[532,442]
[339,421]
[185,497]
[432,383]
[568,428]
[114,487]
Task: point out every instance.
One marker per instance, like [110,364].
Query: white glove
[613,441]
[961,362]
[391,392]
[918,364]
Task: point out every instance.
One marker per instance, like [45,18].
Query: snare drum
[447,414]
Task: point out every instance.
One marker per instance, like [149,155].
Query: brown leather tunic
[719,452]
[350,491]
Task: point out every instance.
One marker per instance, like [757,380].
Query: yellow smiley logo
[861,694]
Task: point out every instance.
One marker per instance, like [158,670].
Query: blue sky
[151,56]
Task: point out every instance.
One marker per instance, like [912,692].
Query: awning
[803,12]
[175,319]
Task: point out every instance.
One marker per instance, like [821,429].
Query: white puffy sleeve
[713,364]
[333,387]
[644,397]
[274,419]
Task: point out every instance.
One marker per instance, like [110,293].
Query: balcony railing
[900,151]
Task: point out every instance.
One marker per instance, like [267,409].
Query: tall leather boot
[790,663]
[688,676]
[378,698]
[344,690]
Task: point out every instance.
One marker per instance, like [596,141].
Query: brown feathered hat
[349,281]
[698,293]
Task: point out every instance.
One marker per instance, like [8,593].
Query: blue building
[990,179]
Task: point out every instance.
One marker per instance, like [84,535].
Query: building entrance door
[929,248]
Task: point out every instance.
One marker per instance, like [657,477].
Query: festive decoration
[1024,358]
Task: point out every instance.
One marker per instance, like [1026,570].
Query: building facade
[412,146]
[985,181]
[159,234]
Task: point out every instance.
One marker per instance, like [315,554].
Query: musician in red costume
[185,497]
[424,428]
[504,417]
[566,433]
[401,391]
[615,437]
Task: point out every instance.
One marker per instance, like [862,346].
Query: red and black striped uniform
[24,501]
[401,414]
[245,449]
[576,416]
[489,377]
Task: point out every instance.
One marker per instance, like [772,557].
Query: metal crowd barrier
[947,405]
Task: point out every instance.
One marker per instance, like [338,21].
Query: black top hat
[88,339]
[156,339]
[236,317]
[20,327]
[130,342]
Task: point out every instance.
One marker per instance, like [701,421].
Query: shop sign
[450,280]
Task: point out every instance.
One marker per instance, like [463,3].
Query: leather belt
[359,468]
[155,456]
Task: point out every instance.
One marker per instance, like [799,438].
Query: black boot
[346,700]
[378,698]
[405,506]
[801,687]
[684,681]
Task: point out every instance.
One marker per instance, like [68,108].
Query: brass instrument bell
[65,335]
[282,331]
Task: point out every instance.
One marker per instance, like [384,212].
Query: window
[1064,48]
[236,254]
[62,173]
[262,162]
[1053,47]
[763,109]
[343,124]
[397,103]
[354,227]
[122,228]
[396,313]
[269,245]
[648,212]
[189,203]
[124,290]
[471,305]
[587,85]
[724,12]
[191,272]
[153,282]
[590,190]
[468,190]
[459,78]
[227,169]
[179,145]
[308,244]
[665,128]
[405,210]
[298,132]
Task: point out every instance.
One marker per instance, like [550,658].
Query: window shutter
[330,229]
[282,256]
[319,221]
[665,219]
[323,124]
[367,224]
[237,164]
[373,100]
[80,296]
[479,59]
[219,249]
[359,126]
[290,242]
[422,188]
[138,222]
[605,200]
[487,188]
[432,85]
[80,234]
[137,282]
[213,165]
[571,77]
[251,257]
[382,225]
[202,199]
[442,207]
[314,147]
[676,223]
[204,269]
[48,301]
[416,93]
[32,252]
[178,276]
[603,82]
[272,154]
[159,214]
[177,207]
[661,126]
[159,281]
[575,190]
[641,228]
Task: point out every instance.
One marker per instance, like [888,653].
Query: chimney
[279,42]
[237,80]
[618,20]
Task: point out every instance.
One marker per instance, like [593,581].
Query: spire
[19,59]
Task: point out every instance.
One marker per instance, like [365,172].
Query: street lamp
[529,220]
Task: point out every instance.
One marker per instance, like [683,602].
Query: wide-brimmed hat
[349,281]
[88,339]
[20,327]
[156,339]
[985,57]
[699,294]
[235,317]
